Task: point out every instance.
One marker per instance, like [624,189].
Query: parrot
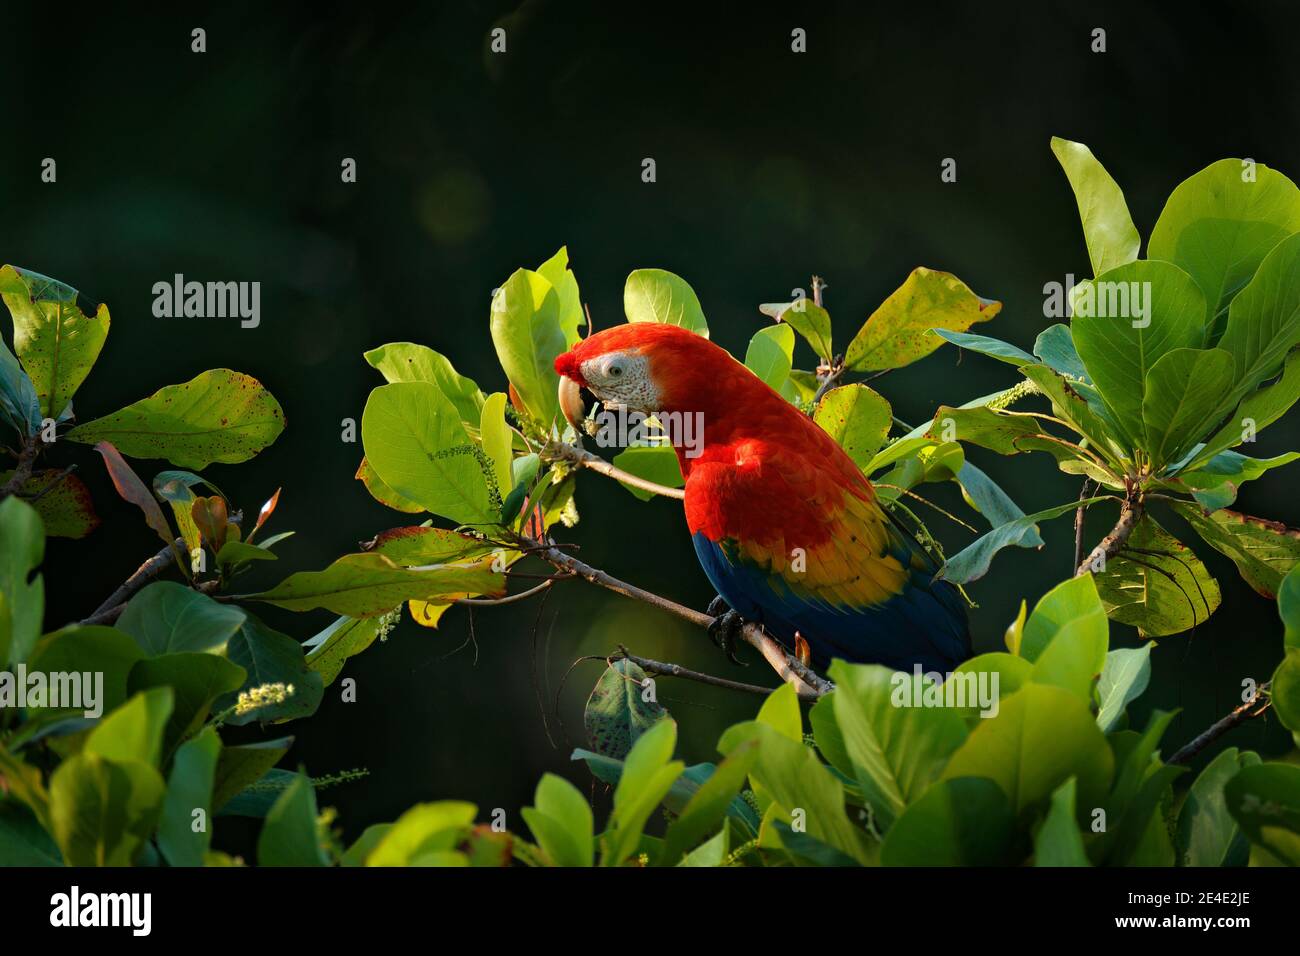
[788,530]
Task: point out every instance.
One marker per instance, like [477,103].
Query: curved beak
[571,402]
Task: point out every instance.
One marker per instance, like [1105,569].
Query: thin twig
[789,668]
[668,669]
[1078,523]
[509,598]
[1252,708]
[559,451]
[53,483]
[111,607]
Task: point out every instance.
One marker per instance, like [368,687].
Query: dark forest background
[771,166]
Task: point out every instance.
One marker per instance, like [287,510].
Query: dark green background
[771,166]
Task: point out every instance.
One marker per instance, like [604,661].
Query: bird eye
[615,370]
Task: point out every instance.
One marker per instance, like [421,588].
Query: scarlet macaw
[786,526]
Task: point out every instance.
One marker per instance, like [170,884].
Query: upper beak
[571,402]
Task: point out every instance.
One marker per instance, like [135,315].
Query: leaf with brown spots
[898,333]
[217,416]
[56,342]
[64,503]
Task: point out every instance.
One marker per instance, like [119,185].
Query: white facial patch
[622,378]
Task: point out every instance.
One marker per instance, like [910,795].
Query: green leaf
[57,343]
[289,837]
[407,362]
[385,495]
[134,732]
[657,463]
[1265,800]
[617,712]
[1215,483]
[1070,611]
[23,841]
[963,822]
[19,402]
[239,766]
[561,821]
[269,657]
[418,447]
[557,271]
[897,749]
[62,500]
[217,416]
[1264,320]
[1141,784]
[346,637]
[22,593]
[972,562]
[654,295]
[1005,673]
[1288,608]
[858,418]
[780,711]
[1218,227]
[95,649]
[185,830]
[1079,413]
[648,774]
[364,585]
[1041,737]
[807,318]
[1124,321]
[995,348]
[999,431]
[710,805]
[1285,691]
[1263,551]
[1257,410]
[423,835]
[1111,236]
[101,810]
[167,618]
[1058,841]
[424,544]
[496,437]
[1157,584]
[899,332]
[1207,833]
[196,680]
[798,781]
[770,355]
[1123,679]
[1054,347]
[710,853]
[1183,391]
[527,334]
[986,497]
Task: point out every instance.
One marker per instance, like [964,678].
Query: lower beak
[571,402]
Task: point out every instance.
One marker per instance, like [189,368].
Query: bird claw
[725,628]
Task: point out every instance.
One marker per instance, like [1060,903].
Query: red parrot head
[644,367]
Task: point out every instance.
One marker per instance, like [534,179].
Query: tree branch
[1240,715]
[790,669]
[1130,514]
[559,451]
[1078,523]
[676,670]
[112,606]
[23,469]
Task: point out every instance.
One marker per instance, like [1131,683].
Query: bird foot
[725,628]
